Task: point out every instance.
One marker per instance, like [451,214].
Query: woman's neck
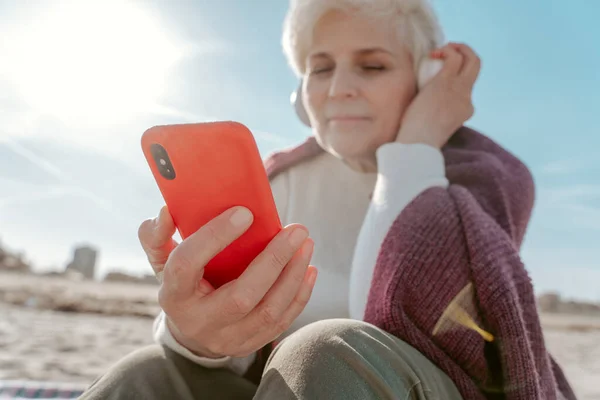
[365,165]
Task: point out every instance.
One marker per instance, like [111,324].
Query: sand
[84,339]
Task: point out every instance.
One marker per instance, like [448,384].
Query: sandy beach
[98,323]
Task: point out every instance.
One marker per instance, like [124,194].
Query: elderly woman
[415,224]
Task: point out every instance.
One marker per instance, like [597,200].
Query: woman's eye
[320,70]
[373,67]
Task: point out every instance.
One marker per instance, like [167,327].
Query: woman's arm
[404,171]
[467,235]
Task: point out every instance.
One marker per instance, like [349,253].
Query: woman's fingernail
[313,276]
[241,217]
[156,220]
[298,236]
[308,248]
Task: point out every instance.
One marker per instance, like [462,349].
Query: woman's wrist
[188,345]
[423,136]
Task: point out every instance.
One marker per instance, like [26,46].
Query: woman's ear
[297,101]
[428,68]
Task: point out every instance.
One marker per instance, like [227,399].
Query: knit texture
[445,240]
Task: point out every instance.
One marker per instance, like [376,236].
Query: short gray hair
[418,25]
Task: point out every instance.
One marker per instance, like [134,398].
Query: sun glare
[87,60]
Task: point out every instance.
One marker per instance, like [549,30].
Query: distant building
[84,261]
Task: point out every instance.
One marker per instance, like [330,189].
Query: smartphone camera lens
[161,158]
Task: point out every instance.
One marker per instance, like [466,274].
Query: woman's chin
[349,147]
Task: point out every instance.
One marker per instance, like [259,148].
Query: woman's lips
[347,119]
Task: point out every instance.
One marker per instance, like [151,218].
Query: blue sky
[83,80]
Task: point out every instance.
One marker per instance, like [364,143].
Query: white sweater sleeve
[404,171]
[162,334]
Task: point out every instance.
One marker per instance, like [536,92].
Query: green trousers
[330,359]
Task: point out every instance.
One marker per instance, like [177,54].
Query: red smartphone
[204,169]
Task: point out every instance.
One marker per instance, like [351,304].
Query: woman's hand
[444,104]
[244,315]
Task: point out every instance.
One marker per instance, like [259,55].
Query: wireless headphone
[427,70]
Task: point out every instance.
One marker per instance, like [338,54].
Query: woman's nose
[343,85]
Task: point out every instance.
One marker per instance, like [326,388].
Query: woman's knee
[327,341]
[334,327]
[332,333]
[349,356]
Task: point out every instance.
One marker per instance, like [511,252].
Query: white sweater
[348,227]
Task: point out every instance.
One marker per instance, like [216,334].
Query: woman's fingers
[300,300]
[295,308]
[459,60]
[278,277]
[270,310]
[185,265]
[453,60]
[252,285]
[472,63]
[156,238]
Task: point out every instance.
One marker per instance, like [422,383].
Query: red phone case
[215,166]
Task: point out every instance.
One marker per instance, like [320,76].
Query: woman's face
[359,80]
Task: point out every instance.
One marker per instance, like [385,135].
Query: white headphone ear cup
[427,70]
[296,100]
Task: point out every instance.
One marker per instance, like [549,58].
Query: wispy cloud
[35,196]
[585,216]
[179,113]
[38,161]
[270,137]
[67,186]
[581,166]
[563,167]
[572,207]
[572,193]
[190,117]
